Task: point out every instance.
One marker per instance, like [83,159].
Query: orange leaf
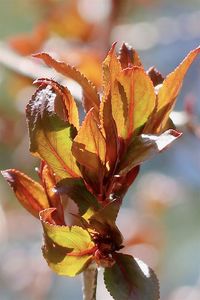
[89,149]
[111,68]
[133,101]
[29,192]
[110,132]
[49,184]
[168,93]
[89,145]
[91,98]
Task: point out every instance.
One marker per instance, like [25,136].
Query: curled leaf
[65,105]
[145,147]
[50,137]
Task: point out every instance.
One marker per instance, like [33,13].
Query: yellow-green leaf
[51,137]
[67,250]
[29,192]
[63,264]
[74,238]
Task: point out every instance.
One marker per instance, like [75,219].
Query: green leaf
[91,98]
[51,137]
[144,147]
[77,191]
[131,279]
[67,250]
[29,192]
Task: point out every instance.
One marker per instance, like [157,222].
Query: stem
[90,282]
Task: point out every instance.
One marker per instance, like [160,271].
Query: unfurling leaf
[51,137]
[29,192]
[131,279]
[91,98]
[155,75]
[64,104]
[144,147]
[128,57]
[67,250]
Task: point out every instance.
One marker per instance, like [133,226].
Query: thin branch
[31,68]
[90,282]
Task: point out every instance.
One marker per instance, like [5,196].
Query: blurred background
[160,218]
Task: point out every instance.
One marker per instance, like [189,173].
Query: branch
[30,68]
[90,282]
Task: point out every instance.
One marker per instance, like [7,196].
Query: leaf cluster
[126,122]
